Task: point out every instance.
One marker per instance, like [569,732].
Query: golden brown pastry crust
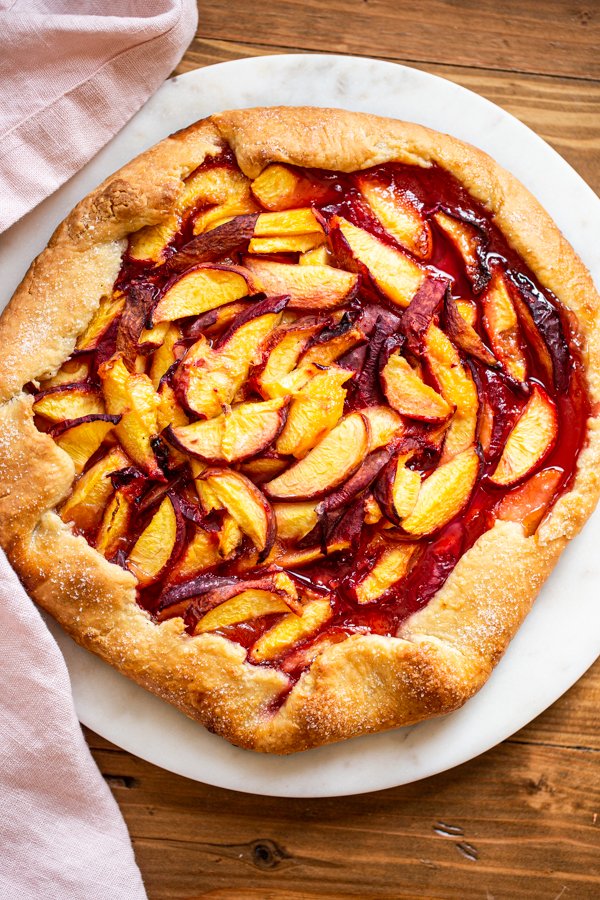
[444,653]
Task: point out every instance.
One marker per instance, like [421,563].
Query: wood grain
[521,822]
[551,37]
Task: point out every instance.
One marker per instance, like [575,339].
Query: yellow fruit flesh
[291,629]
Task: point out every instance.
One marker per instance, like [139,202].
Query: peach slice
[409,395]
[530,441]
[247,430]
[290,222]
[291,558]
[332,461]
[151,338]
[529,503]
[457,388]
[201,439]
[398,214]
[320,256]
[444,494]
[69,402]
[92,492]
[294,520]
[228,192]
[502,327]
[133,397]
[281,188]
[281,353]
[108,312]
[200,554]
[467,310]
[208,378]
[158,545]
[391,566]
[393,272]
[73,371]
[293,243]
[230,537]
[204,288]
[326,349]
[385,424]
[290,630]
[373,513]
[248,506]
[206,186]
[215,321]
[314,411]
[405,488]
[247,605]
[264,468]
[469,240]
[308,287]
[80,438]
[251,427]
[164,356]
[114,525]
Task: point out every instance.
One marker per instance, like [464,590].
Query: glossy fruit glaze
[336,576]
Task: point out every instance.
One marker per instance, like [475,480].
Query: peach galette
[299,412]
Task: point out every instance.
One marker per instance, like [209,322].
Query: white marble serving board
[561,637]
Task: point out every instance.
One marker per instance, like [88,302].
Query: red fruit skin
[421,310]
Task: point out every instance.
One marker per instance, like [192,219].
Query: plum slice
[393,272]
[544,330]
[421,312]
[409,395]
[291,630]
[219,242]
[202,289]
[530,441]
[470,239]
[444,494]
[462,333]
[308,287]
[159,544]
[334,459]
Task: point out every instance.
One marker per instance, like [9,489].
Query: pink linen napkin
[62,836]
[72,73]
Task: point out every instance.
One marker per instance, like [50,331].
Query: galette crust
[442,654]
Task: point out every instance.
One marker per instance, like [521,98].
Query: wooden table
[524,819]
